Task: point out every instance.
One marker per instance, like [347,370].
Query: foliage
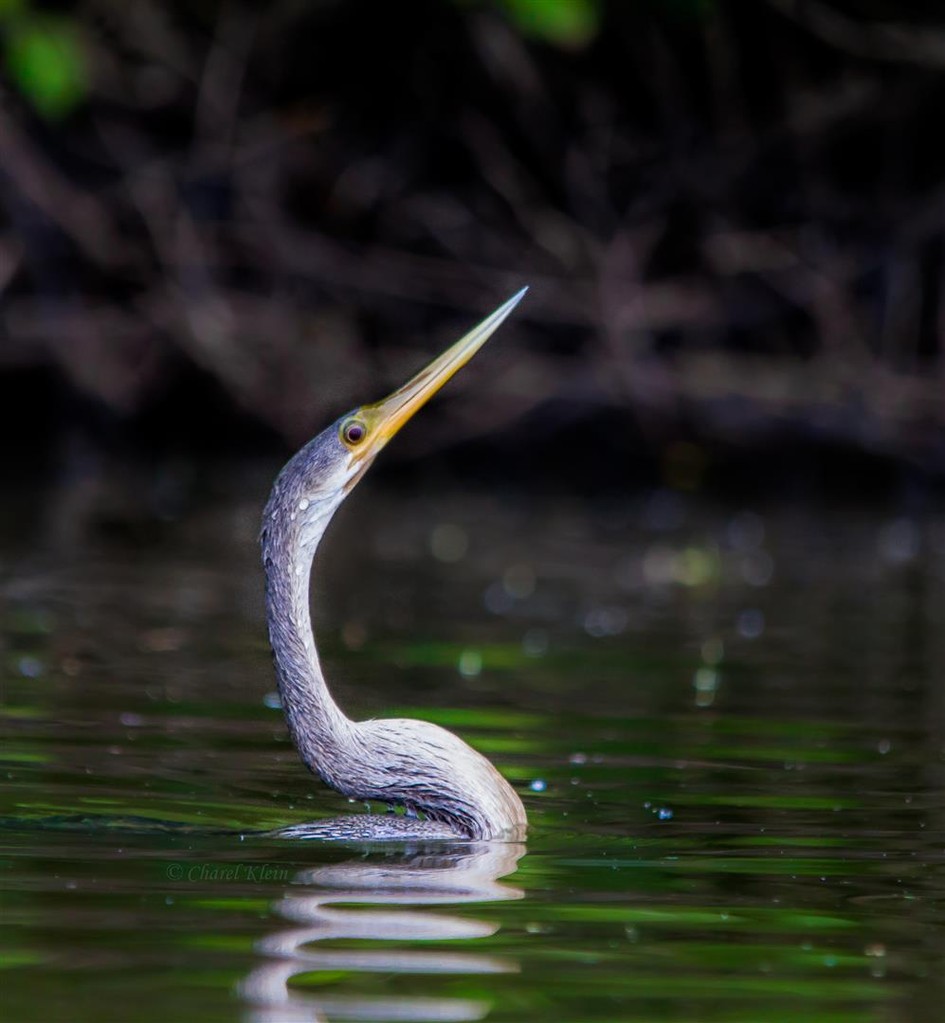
[569,23]
[44,58]
[728,214]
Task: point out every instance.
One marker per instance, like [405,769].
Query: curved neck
[319,728]
[404,762]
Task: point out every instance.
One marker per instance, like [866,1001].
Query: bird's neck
[319,728]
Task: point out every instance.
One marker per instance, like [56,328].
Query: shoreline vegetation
[729,214]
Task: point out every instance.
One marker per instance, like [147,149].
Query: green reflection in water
[796,872]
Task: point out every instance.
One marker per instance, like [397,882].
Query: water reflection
[736,800]
[426,876]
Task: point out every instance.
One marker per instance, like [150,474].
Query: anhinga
[401,762]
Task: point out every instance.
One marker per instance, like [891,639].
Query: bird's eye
[353,431]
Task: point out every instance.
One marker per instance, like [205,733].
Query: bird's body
[400,762]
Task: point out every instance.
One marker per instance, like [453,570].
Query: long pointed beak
[386,417]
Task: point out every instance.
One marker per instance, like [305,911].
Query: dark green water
[728,729]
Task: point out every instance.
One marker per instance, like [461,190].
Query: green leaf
[46,61]
[568,23]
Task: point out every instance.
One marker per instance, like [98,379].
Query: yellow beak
[386,417]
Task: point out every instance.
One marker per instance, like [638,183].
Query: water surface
[726,724]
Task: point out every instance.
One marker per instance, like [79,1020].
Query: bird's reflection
[425,876]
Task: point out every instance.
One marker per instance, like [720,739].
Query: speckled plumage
[414,764]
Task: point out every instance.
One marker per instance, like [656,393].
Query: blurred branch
[77,214]
[218,98]
[712,232]
[887,41]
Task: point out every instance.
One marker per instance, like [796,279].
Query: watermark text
[244,872]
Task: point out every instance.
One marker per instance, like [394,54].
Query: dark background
[221,224]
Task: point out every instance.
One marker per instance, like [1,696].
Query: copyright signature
[251,872]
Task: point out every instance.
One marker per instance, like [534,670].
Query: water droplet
[694,566]
[30,667]
[497,600]
[705,680]
[757,568]
[750,623]
[273,701]
[605,621]
[470,663]
[664,813]
[535,642]
[659,565]
[519,581]
[538,785]
[303,504]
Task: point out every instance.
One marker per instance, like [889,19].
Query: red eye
[353,431]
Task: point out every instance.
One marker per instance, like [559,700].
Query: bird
[445,788]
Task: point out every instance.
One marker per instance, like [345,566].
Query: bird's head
[319,477]
[364,432]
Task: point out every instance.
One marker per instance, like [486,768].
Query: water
[727,725]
